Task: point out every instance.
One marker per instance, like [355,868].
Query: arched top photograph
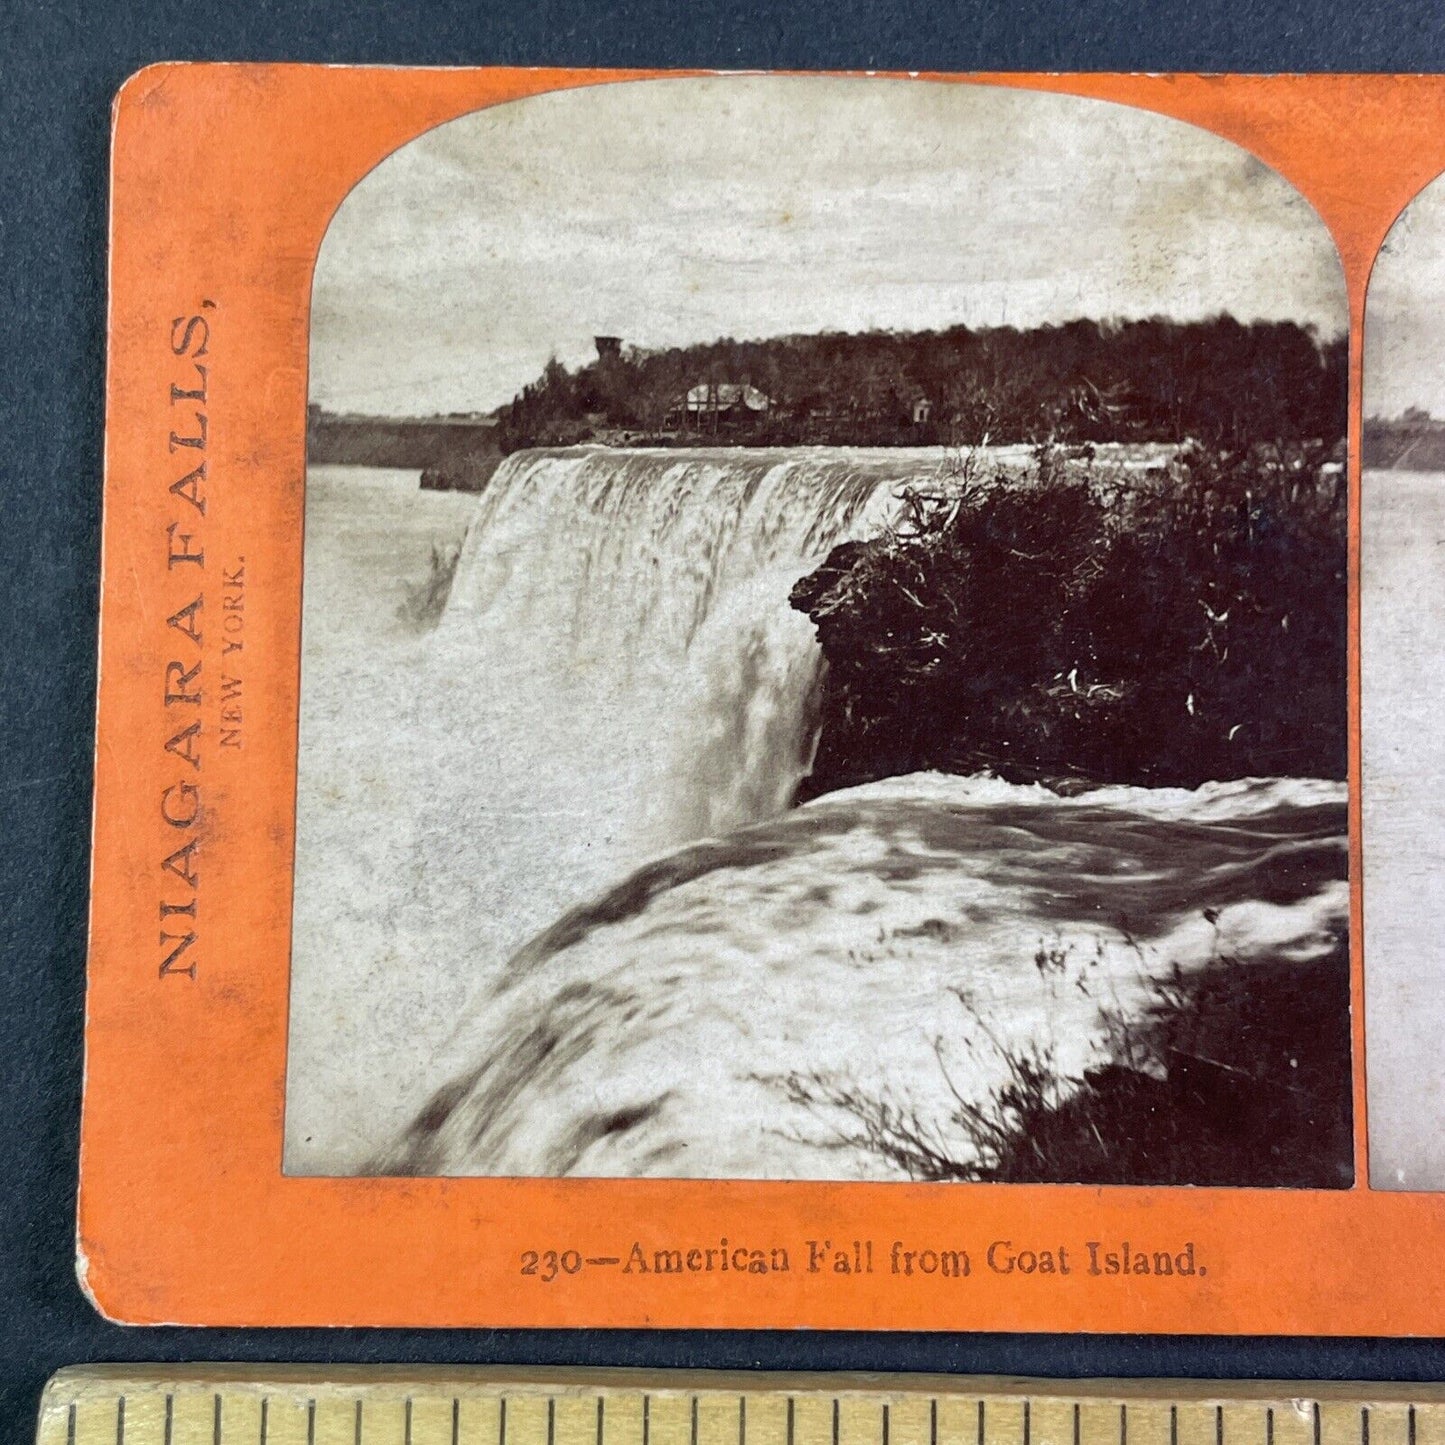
[672,219]
[1402,569]
[824,648]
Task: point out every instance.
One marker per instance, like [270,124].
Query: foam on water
[885,938]
[617,672]
[633,606]
[545,862]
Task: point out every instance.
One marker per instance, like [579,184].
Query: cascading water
[617,672]
[895,941]
[515,952]
[633,609]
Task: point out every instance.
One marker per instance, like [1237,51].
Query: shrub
[1168,630]
[1237,1075]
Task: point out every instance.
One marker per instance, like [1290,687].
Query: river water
[1402,582]
[546,860]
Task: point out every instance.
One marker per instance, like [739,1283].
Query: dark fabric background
[62,63]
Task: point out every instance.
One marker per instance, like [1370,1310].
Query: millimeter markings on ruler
[223,1405]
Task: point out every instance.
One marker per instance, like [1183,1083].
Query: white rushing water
[501,890]
[1402,745]
[896,940]
[634,608]
[617,671]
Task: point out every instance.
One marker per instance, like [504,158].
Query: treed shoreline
[1079,381]
[1218,381]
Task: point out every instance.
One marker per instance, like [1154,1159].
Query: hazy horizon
[677,212]
[1404,336]
[805,335]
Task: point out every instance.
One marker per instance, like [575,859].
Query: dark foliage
[1149,380]
[1256,1086]
[1162,631]
[1238,1075]
[1413,442]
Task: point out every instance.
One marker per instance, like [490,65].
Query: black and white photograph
[825,647]
[1402,692]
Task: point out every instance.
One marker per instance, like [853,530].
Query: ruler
[221,1405]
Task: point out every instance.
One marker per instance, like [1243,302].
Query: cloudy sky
[676,211]
[1404,324]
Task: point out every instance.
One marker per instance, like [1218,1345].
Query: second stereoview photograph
[824,649]
[1402,662]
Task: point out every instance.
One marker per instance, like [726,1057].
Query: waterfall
[624,618]
[617,672]
[554,910]
[901,939]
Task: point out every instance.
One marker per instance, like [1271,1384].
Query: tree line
[1219,381]
[1413,441]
